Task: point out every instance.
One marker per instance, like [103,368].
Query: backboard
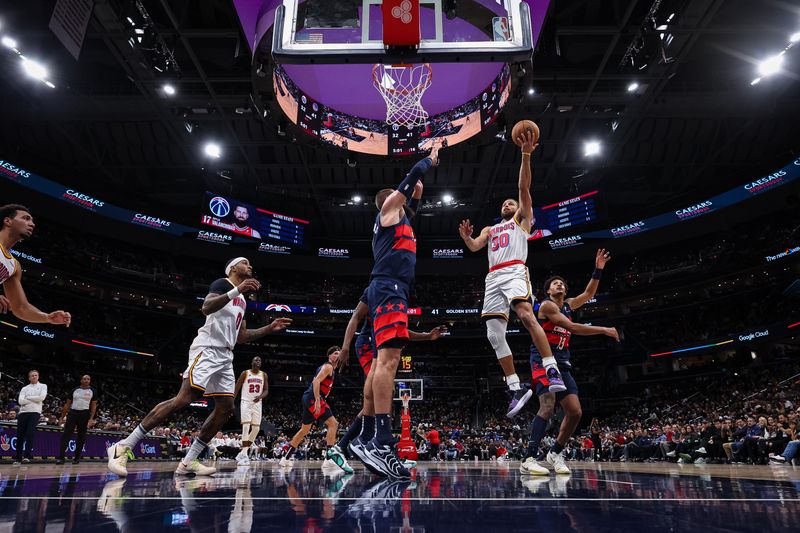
[413,385]
[314,32]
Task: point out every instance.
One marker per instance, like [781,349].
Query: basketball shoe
[118,456]
[556,460]
[358,448]
[532,467]
[383,458]
[195,468]
[555,380]
[518,400]
[243,459]
[336,456]
[286,462]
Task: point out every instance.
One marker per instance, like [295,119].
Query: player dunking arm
[508,284]
[394,248]
[555,315]
[315,408]
[16,224]
[254,387]
[210,369]
[362,430]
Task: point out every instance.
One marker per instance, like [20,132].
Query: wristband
[233,293]
[526,153]
[597,273]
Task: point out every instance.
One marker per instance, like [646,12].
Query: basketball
[523,126]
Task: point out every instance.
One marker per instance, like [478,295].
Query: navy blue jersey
[325,386]
[395,251]
[557,336]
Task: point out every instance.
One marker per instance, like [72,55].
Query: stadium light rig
[773,64]
[32,68]
[591,148]
[213,150]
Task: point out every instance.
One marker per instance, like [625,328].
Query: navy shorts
[365,349]
[543,384]
[388,309]
[308,416]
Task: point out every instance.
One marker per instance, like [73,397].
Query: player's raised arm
[525,212]
[465,230]
[216,300]
[26,311]
[416,196]
[432,335]
[601,258]
[552,313]
[394,202]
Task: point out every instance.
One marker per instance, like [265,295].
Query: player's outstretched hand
[435,154]
[465,229]
[527,142]
[249,285]
[344,356]
[5,305]
[279,324]
[603,256]
[613,333]
[317,407]
[437,332]
[59,318]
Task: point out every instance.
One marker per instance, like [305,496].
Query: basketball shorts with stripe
[211,371]
[250,412]
[388,307]
[365,349]
[505,288]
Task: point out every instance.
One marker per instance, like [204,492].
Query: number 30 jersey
[508,244]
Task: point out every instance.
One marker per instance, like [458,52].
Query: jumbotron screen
[246,220]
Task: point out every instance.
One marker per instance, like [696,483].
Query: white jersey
[221,328]
[253,385]
[508,241]
[8,265]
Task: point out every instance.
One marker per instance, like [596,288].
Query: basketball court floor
[457,496]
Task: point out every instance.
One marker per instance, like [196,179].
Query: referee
[30,402]
[78,413]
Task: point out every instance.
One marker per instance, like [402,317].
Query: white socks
[194,452]
[513,381]
[549,362]
[133,439]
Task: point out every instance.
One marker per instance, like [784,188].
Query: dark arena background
[159,155]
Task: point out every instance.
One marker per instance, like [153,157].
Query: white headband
[232,264]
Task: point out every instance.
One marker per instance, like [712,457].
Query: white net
[402,88]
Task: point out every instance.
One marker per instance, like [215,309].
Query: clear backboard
[403,386]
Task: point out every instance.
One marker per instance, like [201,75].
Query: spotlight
[168,89]
[632,88]
[531,91]
[8,42]
[213,150]
[795,37]
[771,65]
[591,148]
[34,69]
[755,81]
[447,198]
[356,199]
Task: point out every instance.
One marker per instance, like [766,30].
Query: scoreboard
[567,213]
[246,220]
[403,140]
[309,115]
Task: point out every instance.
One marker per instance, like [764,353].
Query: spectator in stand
[792,449]
[755,433]
[737,440]
[31,398]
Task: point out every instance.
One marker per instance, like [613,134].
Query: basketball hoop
[405,397]
[402,88]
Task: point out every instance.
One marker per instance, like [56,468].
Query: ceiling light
[755,81]
[632,87]
[795,37]
[591,148]
[531,91]
[34,69]
[356,199]
[213,150]
[8,42]
[447,198]
[771,65]
[168,89]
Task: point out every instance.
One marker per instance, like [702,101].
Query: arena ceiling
[694,127]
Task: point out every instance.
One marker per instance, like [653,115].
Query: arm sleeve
[220,286]
[417,172]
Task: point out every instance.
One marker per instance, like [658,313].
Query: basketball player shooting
[253,386]
[17,225]
[210,369]
[508,283]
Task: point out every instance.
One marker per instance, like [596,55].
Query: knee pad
[496,333]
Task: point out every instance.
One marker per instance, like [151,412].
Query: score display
[567,213]
[246,220]
[403,140]
[309,115]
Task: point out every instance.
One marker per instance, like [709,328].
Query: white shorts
[251,412]
[211,371]
[505,287]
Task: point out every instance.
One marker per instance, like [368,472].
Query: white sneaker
[242,459]
[701,450]
[681,461]
[700,461]
[530,466]
[195,468]
[671,454]
[556,460]
[286,463]
[327,464]
[118,456]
